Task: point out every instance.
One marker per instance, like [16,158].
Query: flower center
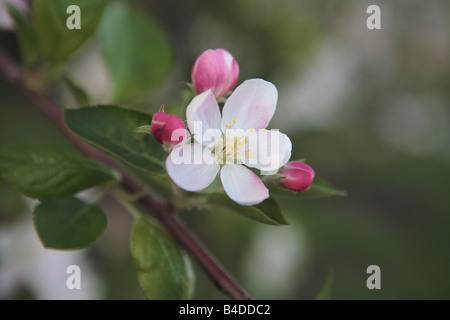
[231,149]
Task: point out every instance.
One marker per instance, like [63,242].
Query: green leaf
[111,129]
[325,292]
[25,34]
[13,206]
[135,49]
[57,42]
[68,224]
[144,129]
[80,95]
[319,189]
[267,212]
[48,173]
[164,269]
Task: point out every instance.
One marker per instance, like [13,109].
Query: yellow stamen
[228,126]
[234,121]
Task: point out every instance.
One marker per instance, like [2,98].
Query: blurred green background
[368,109]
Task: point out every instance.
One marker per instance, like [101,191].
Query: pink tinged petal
[267,150]
[203,118]
[242,185]
[232,72]
[251,105]
[215,70]
[191,167]
[298,176]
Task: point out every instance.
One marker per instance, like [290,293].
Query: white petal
[251,105]
[191,166]
[203,118]
[242,185]
[267,150]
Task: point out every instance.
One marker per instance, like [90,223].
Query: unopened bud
[168,129]
[297,176]
[216,70]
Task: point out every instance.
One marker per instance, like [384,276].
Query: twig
[161,210]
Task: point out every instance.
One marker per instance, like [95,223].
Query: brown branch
[161,210]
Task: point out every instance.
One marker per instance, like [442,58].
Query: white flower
[231,142]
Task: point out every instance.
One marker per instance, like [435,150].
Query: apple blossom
[231,143]
[216,70]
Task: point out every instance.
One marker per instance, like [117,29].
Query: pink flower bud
[298,176]
[168,129]
[216,70]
